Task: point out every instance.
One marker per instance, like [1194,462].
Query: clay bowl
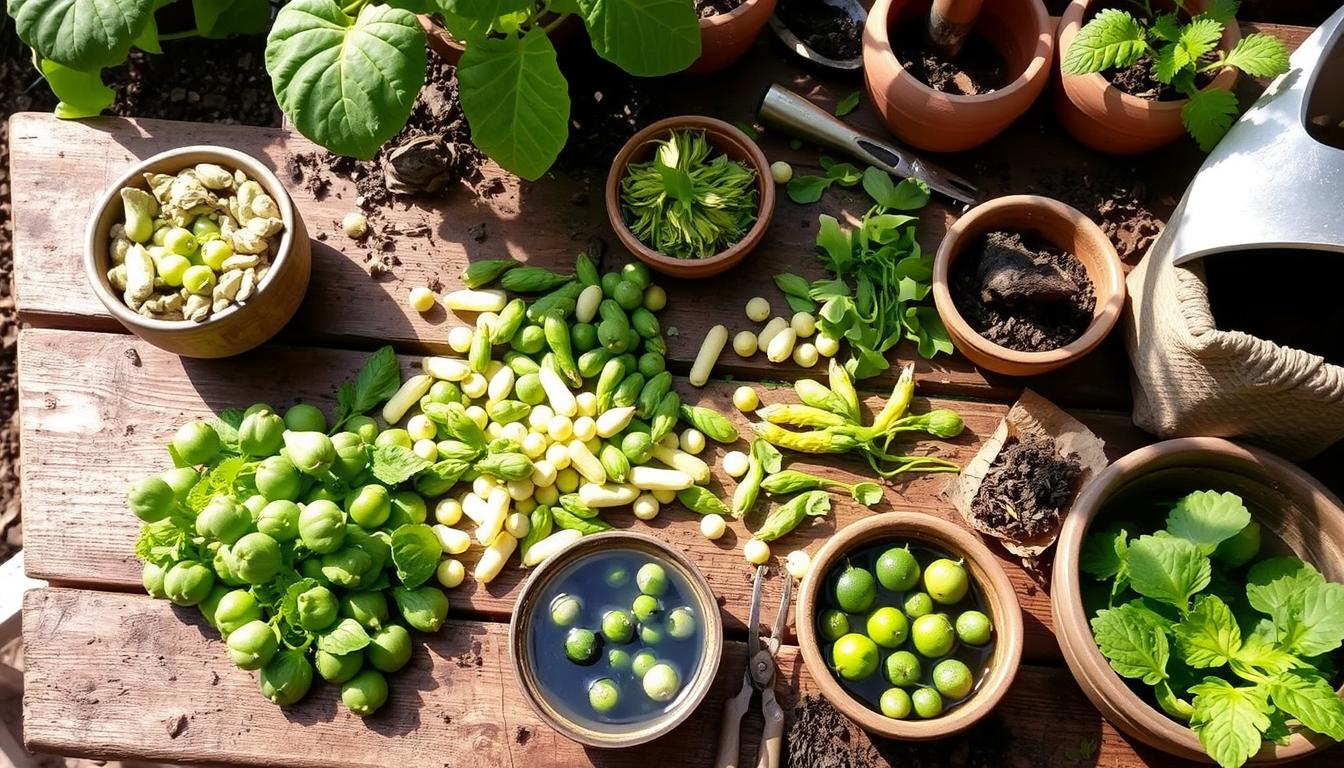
[988,575]
[920,116]
[238,328]
[530,608]
[725,138]
[1066,228]
[1106,118]
[560,28]
[1293,508]
[725,37]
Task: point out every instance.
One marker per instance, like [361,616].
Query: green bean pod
[481,273]
[479,356]
[593,362]
[615,463]
[440,477]
[510,320]
[656,345]
[560,302]
[586,270]
[665,416]
[818,395]
[569,521]
[613,372]
[652,394]
[628,392]
[532,280]
[540,527]
[701,501]
[762,459]
[644,323]
[509,411]
[843,386]
[787,516]
[710,422]
[520,363]
[557,338]
[505,466]
[571,504]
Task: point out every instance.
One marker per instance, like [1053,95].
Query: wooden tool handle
[730,729]
[772,736]
[949,23]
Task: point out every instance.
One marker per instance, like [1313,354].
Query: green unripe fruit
[211,602]
[317,608]
[287,678]
[214,252]
[196,442]
[367,608]
[188,582]
[258,558]
[390,648]
[352,455]
[311,452]
[261,434]
[199,279]
[181,480]
[337,669]
[365,692]
[235,609]
[223,519]
[151,576]
[151,499]
[280,520]
[278,478]
[424,608]
[369,506]
[346,566]
[1241,547]
[322,526]
[366,427]
[305,418]
[252,645]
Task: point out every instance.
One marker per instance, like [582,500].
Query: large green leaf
[516,100]
[485,9]
[81,94]
[81,34]
[347,83]
[646,38]
[222,18]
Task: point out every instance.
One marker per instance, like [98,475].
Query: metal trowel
[786,111]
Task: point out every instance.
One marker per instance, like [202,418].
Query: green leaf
[1133,641]
[1208,114]
[807,189]
[1229,720]
[1259,656]
[1222,10]
[911,194]
[393,464]
[1199,37]
[834,242]
[215,481]
[844,174]
[81,94]
[1112,39]
[485,9]
[415,552]
[1170,60]
[1168,569]
[1102,554]
[347,636]
[1259,55]
[81,34]
[378,380]
[796,292]
[1206,518]
[1208,635]
[516,100]
[1166,27]
[677,183]
[848,104]
[223,18]
[866,494]
[1322,620]
[878,184]
[1278,587]
[646,38]
[347,84]
[1308,697]
[930,334]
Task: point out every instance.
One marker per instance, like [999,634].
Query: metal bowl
[526,611]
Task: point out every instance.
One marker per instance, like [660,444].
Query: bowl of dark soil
[727,30]
[1201,539]
[1128,111]
[910,626]
[1026,284]
[949,104]
[690,196]
[827,33]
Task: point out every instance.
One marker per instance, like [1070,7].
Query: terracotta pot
[1065,228]
[989,577]
[1288,503]
[561,29]
[528,609]
[922,117]
[238,328]
[725,138]
[726,37]
[1106,118]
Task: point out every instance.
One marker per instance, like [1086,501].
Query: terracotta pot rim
[702,679]
[1084,659]
[1041,56]
[96,240]
[1104,317]
[719,19]
[1003,605]
[692,268]
[1069,24]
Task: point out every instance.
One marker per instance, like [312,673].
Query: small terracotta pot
[726,37]
[561,29]
[726,139]
[1064,227]
[1106,118]
[528,610]
[989,577]
[238,328]
[1288,503]
[922,117]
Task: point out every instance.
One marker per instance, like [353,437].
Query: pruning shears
[759,676]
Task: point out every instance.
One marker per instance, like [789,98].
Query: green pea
[618,626]
[681,623]
[336,669]
[651,579]
[643,661]
[390,648]
[305,418]
[565,610]
[252,645]
[603,695]
[364,693]
[646,607]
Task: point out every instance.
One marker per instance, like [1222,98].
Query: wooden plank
[110,401]
[157,685]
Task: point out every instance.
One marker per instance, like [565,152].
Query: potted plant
[727,30]
[1131,82]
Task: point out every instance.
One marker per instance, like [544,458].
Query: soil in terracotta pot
[978,68]
[1302,311]
[1022,293]
[707,8]
[1026,487]
[822,27]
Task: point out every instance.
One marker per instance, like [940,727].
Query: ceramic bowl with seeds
[199,251]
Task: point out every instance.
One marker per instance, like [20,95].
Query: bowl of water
[616,639]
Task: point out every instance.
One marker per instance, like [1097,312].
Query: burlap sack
[1189,378]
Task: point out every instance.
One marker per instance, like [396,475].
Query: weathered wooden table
[113,673]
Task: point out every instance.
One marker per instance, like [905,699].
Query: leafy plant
[1240,671]
[1180,50]
[808,189]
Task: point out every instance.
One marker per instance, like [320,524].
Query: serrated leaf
[1206,518]
[348,636]
[81,94]
[1167,27]
[1229,720]
[346,83]
[1166,568]
[1208,635]
[1259,55]
[516,100]
[378,379]
[1278,587]
[646,38]
[1322,620]
[394,464]
[1259,655]
[81,34]
[1101,555]
[1199,37]
[807,189]
[1112,39]
[1133,641]
[1308,697]
[848,104]
[1208,114]
[1170,60]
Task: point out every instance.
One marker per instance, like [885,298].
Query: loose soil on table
[1026,487]
[707,8]
[1298,307]
[822,27]
[820,737]
[1023,294]
[978,69]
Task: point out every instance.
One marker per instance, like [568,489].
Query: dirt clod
[978,68]
[822,27]
[175,725]
[1027,487]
